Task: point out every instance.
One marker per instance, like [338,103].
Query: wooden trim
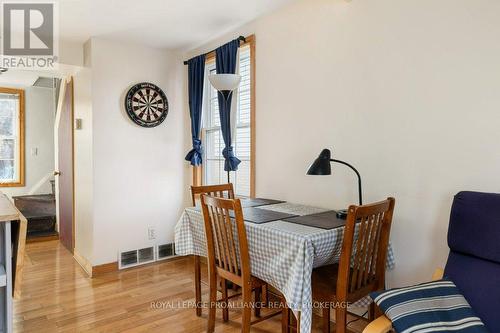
[251,41]
[83,262]
[113,266]
[210,57]
[104,268]
[73,222]
[22,137]
[197,175]
[20,92]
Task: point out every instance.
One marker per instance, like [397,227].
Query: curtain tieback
[195,155]
[231,161]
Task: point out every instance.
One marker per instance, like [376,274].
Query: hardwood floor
[57,296]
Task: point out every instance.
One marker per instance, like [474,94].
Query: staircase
[40,211]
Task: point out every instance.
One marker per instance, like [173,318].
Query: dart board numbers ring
[146,104]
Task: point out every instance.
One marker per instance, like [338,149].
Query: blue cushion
[475,225]
[434,306]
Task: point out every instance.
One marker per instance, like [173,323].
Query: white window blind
[213,161]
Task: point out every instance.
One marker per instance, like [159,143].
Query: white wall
[39,134]
[70,53]
[407,91]
[138,172]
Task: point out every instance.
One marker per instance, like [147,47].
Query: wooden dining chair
[222,191]
[228,258]
[362,264]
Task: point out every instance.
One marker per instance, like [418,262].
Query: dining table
[282,253]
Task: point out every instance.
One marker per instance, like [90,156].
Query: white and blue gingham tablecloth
[281,253]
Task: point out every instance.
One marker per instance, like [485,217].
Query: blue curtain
[196,75]
[225,63]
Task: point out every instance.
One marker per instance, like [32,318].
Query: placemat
[324,220]
[259,215]
[256,202]
[251,202]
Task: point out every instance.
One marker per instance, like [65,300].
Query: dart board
[146,104]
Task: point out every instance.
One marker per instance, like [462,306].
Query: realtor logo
[28,34]
[28,29]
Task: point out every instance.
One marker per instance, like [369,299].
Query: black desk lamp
[321,167]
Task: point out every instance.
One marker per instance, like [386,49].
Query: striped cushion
[428,307]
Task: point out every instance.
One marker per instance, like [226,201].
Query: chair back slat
[227,245]
[364,249]
[233,254]
[219,191]
[221,253]
[373,264]
[363,254]
[370,255]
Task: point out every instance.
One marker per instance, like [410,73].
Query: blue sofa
[474,260]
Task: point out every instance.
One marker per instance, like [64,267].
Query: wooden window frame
[21,166]
[210,57]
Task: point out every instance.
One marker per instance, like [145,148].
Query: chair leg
[197,284]
[225,309]
[340,320]
[212,305]
[247,309]
[290,323]
[285,320]
[326,319]
[297,323]
[371,312]
[265,295]
[258,296]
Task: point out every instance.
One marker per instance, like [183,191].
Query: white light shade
[222,82]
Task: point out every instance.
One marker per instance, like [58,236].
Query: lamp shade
[225,82]
[321,166]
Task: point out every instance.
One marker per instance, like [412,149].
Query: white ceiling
[170,24]
[18,79]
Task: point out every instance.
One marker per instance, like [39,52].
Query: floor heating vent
[136,257]
[166,251]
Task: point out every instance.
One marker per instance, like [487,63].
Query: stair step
[42,236]
[40,211]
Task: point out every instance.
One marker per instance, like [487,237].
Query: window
[213,161]
[11,137]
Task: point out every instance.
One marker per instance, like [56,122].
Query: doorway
[36,152]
